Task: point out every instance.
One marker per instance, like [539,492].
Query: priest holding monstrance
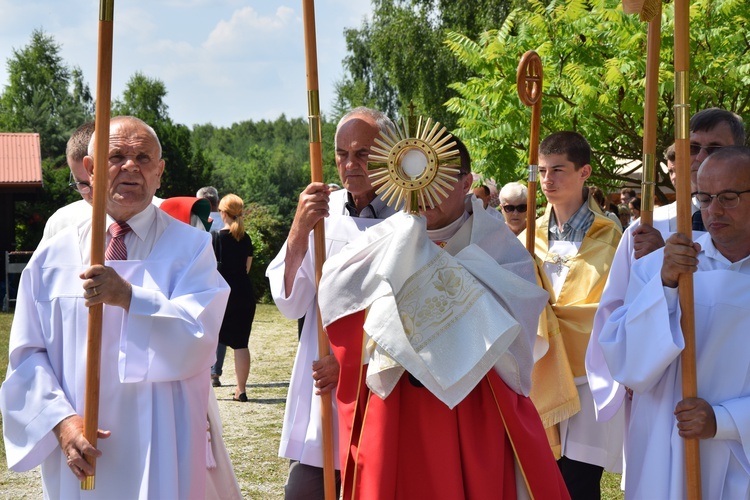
[432,315]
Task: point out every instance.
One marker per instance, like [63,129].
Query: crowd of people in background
[494,370]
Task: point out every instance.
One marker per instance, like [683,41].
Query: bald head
[724,189]
[134,166]
[355,137]
[133,121]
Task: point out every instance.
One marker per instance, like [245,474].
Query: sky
[222,61]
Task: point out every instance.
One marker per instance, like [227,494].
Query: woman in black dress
[234,253]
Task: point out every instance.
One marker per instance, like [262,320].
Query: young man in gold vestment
[575,244]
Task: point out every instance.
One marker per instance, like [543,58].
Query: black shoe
[242,398]
[215,381]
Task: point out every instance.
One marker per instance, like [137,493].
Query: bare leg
[242,369]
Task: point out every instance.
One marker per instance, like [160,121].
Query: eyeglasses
[512,208]
[80,186]
[696,148]
[727,199]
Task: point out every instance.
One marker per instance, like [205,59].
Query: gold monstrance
[410,164]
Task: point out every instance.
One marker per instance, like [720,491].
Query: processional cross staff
[98,223]
[529,82]
[316,175]
[650,10]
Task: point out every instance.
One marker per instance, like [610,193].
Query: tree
[143,97]
[265,162]
[400,57]
[44,95]
[594,60]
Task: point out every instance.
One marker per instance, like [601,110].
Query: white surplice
[155,362]
[642,342]
[607,393]
[483,282]
[301,434]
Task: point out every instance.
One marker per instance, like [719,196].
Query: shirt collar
[140,223]
[579,222]
[371,211]
[710,250]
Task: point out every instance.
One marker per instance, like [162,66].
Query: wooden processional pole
[529,84]
[316,175]
[651,99]
[98,223]
[684,226]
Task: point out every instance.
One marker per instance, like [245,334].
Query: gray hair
[138,121]
[211,194]
[385,125]
[512,190]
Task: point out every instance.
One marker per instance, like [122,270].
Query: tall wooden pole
[316,174]
[529,82]
[684,225]
[98,223]
[649,118]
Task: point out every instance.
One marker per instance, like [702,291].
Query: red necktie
[116,250]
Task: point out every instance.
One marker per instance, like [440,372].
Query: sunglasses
[696,148]
[512,208]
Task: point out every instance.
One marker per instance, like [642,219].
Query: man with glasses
[642,342]
[710,130]
[513,198]
[78,211]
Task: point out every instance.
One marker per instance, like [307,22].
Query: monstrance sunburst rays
[412,168]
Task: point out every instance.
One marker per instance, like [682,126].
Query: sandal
[242,398]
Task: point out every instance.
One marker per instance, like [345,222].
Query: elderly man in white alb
[162,307]
[642,342]
[292,278]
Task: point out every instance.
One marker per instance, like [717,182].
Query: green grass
[251,430]
[5,321]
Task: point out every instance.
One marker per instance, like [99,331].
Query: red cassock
[410,445]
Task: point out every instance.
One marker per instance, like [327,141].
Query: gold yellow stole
[567,320]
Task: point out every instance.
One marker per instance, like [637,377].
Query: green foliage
[594,60]
[44,95]
[267,232]
[143,97]
[399,58]
[265,162]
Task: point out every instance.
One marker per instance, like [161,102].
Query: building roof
[20,161]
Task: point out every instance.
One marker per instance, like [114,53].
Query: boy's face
[559,178]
